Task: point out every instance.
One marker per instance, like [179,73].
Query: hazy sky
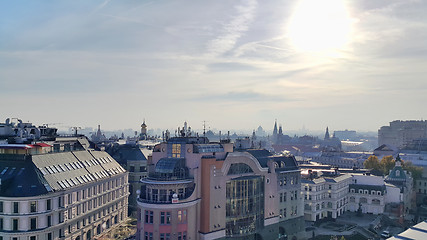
[235,64]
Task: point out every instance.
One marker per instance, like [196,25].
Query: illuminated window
[182,216]
[33,206]
[176,150]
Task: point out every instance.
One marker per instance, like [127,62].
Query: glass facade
[170,169]
[239,168]
[245,205]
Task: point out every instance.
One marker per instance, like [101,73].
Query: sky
[234,64]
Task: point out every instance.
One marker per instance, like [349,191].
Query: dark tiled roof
[356,187]
[20,178]
[129,153]
[289,161]
[35,175]
[263,156]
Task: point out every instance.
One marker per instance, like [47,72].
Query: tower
[275,131]
[143,135]
[327,136]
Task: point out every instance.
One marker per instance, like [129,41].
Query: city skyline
[237,65]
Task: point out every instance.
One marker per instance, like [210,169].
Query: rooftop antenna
[76,129]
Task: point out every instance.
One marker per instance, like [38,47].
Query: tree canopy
[387,163]
[372,163]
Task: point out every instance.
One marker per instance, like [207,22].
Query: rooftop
[33,175]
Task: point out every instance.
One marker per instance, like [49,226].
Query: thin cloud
[234,29]
[244,97]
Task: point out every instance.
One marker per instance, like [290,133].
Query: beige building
[66,195]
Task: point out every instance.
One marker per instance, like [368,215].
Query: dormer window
[397,173]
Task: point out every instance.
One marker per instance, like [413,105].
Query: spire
[327,134]
[275,128]
[280,130]
[398,161]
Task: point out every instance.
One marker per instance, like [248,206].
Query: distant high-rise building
[400,133]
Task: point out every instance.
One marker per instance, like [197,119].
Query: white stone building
[325,194]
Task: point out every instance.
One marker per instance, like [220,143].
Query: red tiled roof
[41,145]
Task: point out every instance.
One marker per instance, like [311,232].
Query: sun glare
[319,26]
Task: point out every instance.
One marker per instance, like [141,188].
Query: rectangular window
[33,206]
[49,236]
[1,223]
[182,216]
[148,216]
[48,204]
[33,238]
[284,196]
[176,150]
[281,197]
[163,195]
[148,236]
[61,201]
[61,217]
[132,169]
[49,220]
[15,207]
[33,223]
[1,206]
[162,217]
[168,218]
[15,224]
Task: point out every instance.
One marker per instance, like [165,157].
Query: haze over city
[234,64]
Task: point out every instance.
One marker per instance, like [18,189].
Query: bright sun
[322,26]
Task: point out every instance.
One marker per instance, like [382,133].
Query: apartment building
[64,195]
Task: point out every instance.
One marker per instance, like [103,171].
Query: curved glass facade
[170,169]
[245,205]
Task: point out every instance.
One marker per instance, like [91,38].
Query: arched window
[363,200]
[376,202]
[239,168]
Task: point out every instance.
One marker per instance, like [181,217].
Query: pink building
[201,190]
